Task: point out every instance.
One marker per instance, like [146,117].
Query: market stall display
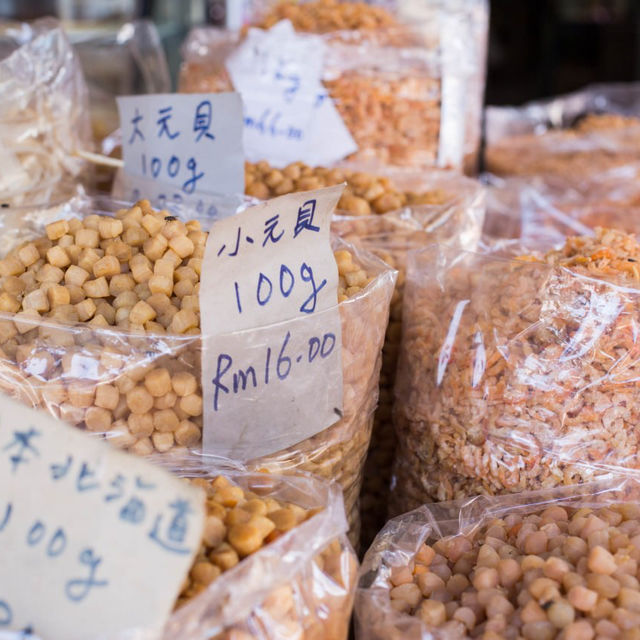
[43,115]
[545,564]
[516,374]
[408,84]
[575,135]
[101,327]
[486,384]
[274,563]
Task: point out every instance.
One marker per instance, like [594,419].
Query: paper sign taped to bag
[270,263]
[288,115]
[272,339]
[191,141]
[271,387]
[94,541]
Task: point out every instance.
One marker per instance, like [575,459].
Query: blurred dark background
[540,48]
[537,48]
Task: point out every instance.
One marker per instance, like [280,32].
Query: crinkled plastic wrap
[514,375]
[573,135]
[25,222]
[410,95]
[83,374]
[401,539]
[536,212]
[456,221]
[43,114]
[301,586]
[128,61]
[541,211]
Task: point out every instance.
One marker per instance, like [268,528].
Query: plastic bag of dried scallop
[88,330]
[558,563]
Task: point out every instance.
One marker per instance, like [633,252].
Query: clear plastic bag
[541,211]
[24,222]
[43,115]
[574,135]
[299,586]
[516,374]
[128,61]
[536,212]
[456,220]
[409,90]
[445,525]
[94,376]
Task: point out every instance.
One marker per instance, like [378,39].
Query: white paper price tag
[190,141]
[288,115]
[94,541]
[272,340]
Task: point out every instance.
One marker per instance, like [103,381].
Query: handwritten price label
[288,115]
[271,326]
[192,142]
[274,386]
[94,541]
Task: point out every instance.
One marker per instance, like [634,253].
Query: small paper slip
[288,115]
[190,141]
[272,339]
[94,541]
